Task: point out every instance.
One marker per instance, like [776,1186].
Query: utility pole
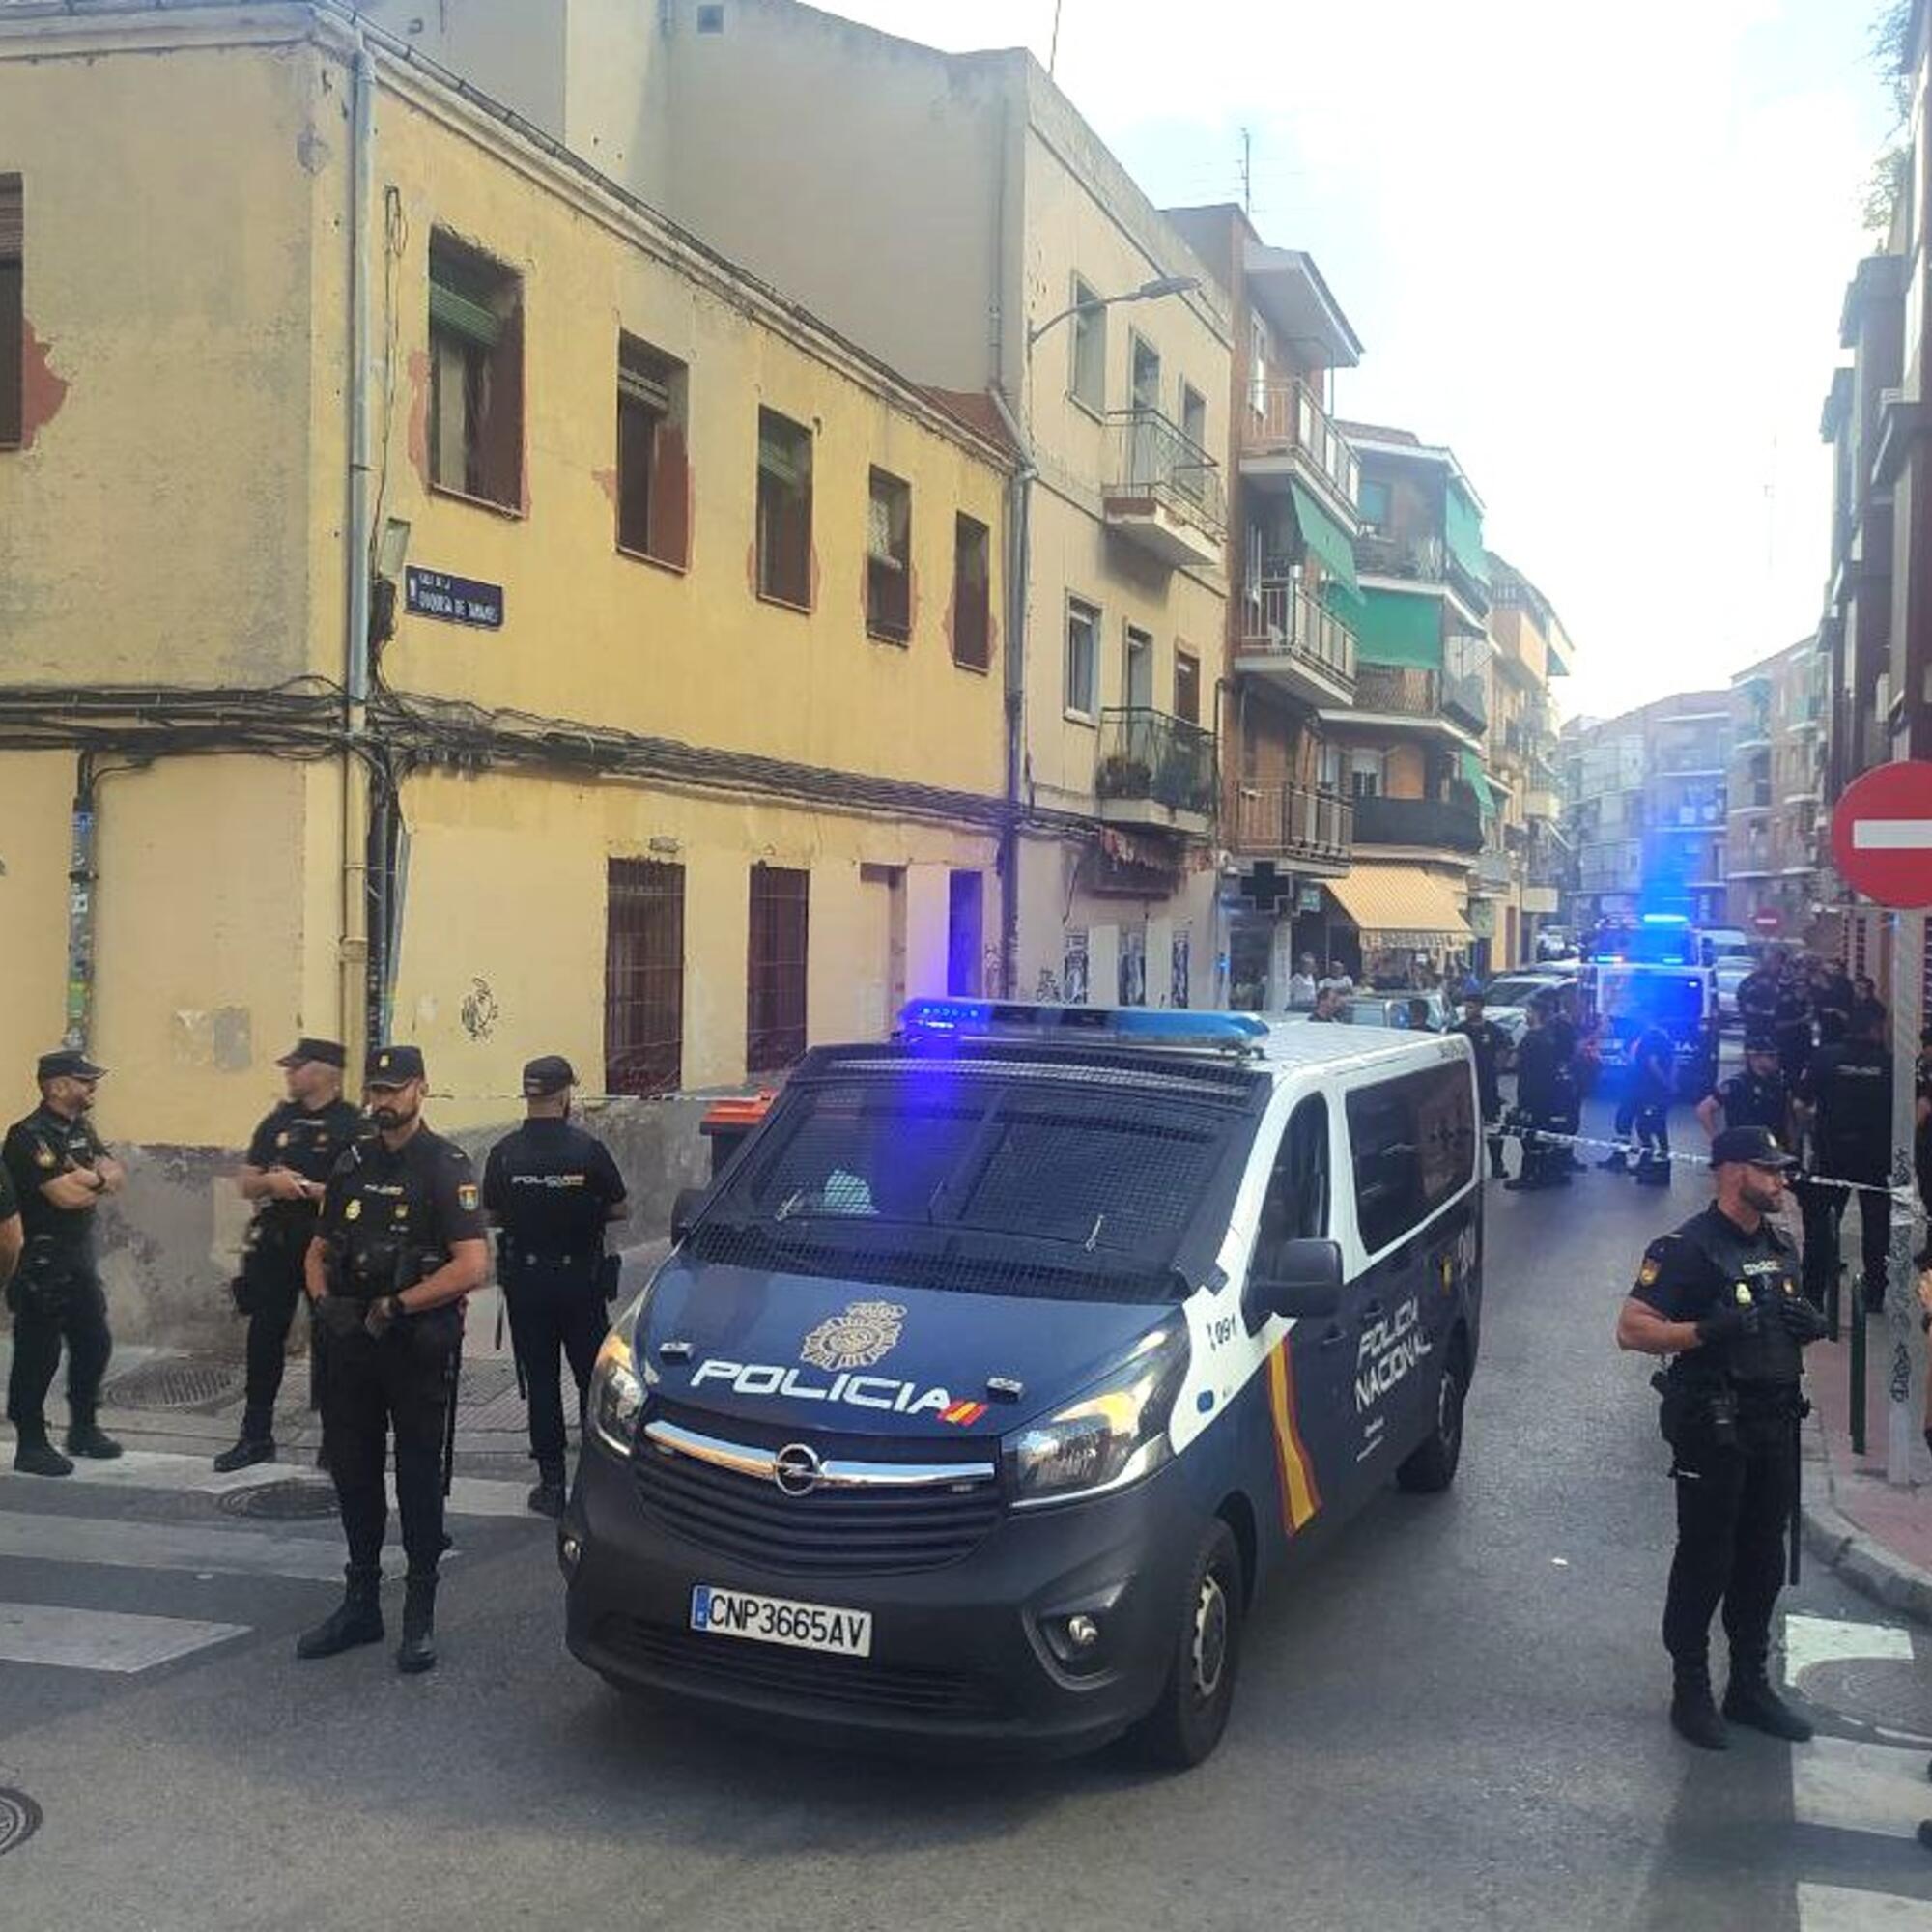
[1247,171]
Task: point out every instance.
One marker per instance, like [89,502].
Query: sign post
[1882,842]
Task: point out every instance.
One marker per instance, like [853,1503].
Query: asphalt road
[1457,1721]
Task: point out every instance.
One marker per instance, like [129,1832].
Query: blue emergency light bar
[1666,919]
[1026,1019]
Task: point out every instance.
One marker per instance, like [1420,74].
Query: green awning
[1477,780]
[1401,629]
[1325,537]
[1463,530]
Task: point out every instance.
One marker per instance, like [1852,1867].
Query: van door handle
[1371,1312]
[1334,1338]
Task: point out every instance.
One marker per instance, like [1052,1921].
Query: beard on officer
[1719,1297]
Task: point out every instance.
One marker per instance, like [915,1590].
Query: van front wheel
[1187,1720]
[1432,1466]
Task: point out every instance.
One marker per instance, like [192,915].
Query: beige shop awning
[1401,906]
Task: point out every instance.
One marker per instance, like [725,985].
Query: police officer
[1757,996]
[1487,1044]
[1719,1296]
[1756,1098]
[290,1158]
[399,1243]
[1792,1020]
[1540,1099]
[60,1171]
[12,1235]
[1846,1094]
[552,1188]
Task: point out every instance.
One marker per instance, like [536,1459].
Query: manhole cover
[19,1818]
[288,1501]
[175,1385]
[485,1382]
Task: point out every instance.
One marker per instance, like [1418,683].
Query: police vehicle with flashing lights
[1004,1365]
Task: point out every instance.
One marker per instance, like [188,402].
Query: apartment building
[1523,865]
[1286,824]
[1775,800]
[647,706]
[1646,803]
[1409,748]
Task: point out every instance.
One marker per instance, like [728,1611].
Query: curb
[1861,1560]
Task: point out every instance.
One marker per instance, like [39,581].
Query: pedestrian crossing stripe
[1301,1499]
[59,1637]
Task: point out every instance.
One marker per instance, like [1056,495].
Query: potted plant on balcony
[1121,776]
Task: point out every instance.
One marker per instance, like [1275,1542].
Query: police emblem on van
[865,1333]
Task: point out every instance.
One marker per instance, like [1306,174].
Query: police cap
[1760,1042]
[1749,1147]
[66,1063]
[325,1052]
[392,1066]
[549,1073]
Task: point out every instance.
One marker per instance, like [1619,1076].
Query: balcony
[1454,705]
[1295,642]
[1540,802]
[1421,560]
[1285,430]
[1155,770]
[1494,871]
[1434,824]
[1165,492]
[1293,821]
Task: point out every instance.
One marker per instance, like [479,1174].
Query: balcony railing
[1155,460]
[1455,824]
[1492,869]
[1280,617]
[1422,694]
[1148,756]
[1425,559]
[1284,416]
[1295,819]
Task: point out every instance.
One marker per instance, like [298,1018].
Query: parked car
[1413,1012]
[1507,997]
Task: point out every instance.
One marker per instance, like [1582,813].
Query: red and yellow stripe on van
[1300,1497]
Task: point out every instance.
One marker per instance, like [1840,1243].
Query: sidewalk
[1878,1538]
[191,1405]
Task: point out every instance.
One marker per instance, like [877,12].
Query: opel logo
[796,1469]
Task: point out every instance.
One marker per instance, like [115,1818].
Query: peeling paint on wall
[219,1039]
[43,390]
[480,1011]
[418,378]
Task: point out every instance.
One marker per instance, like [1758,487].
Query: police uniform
[1487,1044]
[1754,1100]
[1849,1087]
[308,1142]
[1540,1096]
[1731,1409]
[56,1296]
[550,1186]
[1651,1092]
[1792,1024]
[1757,1001]
[390,1218]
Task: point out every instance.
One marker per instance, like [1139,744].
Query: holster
[44,1281]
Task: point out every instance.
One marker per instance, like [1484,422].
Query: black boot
[244,1455]
[417,1649]
[1616,1161]
[1749,1699]
[546,1498]
[35,1456]
[86,1438]
[1694,1711]
[358,1619]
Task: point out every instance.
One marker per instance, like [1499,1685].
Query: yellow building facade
[687,743]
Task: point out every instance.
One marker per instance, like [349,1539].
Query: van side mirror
[685,1210]
[1303,1278]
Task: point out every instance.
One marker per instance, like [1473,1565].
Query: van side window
[1295,1208]
[1413,1143]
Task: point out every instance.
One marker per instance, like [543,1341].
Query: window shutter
[779,455]
[461,316]
[879,529]
[13,219]
[643,388]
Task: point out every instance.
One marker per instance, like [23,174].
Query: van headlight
[1111,1436]
[616,1397]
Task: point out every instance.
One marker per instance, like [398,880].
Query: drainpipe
[353,954]
[1019,548]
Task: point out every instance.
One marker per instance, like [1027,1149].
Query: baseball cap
[66,1063]
[392,1066]
[549,1073]
[327,1052]
[1749,1147]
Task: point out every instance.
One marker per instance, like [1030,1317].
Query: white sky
[1600,252]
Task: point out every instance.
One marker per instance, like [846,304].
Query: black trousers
[1653,1129]
[1823,1211]
[399,1385]
[44,1322]
[556,1315]
[1733,1507]
[272,1277]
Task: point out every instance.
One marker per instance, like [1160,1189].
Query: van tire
[1431,1467]
[1198,1694]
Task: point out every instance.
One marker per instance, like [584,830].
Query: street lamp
[1161,285]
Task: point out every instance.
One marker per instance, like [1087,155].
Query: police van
[1005,1364]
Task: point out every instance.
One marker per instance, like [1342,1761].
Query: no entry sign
[1881,834]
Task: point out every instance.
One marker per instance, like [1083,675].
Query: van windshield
[967,1180]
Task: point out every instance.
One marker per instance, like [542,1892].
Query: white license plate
[774,1620]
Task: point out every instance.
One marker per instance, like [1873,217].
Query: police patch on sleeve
[1652,1267]
[466,1197]
[43,1155]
